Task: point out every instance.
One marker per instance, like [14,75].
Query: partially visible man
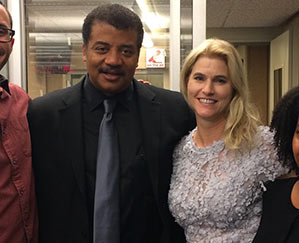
[18,212]
[64,125]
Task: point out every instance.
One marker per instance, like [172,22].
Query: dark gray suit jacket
[57,148]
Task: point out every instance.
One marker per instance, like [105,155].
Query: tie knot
[109,105]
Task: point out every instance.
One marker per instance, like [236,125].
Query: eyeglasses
[6,35]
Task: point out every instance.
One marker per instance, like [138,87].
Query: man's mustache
[111,70]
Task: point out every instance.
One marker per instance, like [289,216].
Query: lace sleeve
[269,166]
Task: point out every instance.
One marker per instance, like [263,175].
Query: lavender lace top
[215,193]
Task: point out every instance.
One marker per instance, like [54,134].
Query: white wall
[294,79]
[16,61]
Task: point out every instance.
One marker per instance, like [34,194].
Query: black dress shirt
[280,219]
[137,205]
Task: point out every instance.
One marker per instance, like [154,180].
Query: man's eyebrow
[127,46]
[101,43]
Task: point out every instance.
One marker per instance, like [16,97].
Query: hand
[144,82]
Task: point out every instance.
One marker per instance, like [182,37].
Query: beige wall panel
[279,58]
[258,70]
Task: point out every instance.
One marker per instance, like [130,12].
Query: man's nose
[113,58]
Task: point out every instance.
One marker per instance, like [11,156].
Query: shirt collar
[4,84]
[95,98]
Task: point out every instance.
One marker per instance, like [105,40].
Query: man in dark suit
[64,128]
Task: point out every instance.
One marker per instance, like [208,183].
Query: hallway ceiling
[220,13]
[53,26]
[249,13]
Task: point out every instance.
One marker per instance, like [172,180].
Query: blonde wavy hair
[243,117]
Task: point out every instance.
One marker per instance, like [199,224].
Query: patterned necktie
[106,203]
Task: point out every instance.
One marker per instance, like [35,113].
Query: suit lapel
[72,133]
[149,111]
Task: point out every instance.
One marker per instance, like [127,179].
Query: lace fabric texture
[215,193]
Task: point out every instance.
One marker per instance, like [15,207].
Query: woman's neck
[208,132]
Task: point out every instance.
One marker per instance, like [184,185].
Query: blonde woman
[219,168]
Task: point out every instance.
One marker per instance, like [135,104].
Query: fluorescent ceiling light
[152,20]
[147,41]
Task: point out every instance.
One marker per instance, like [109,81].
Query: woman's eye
[222,81]
[198,78]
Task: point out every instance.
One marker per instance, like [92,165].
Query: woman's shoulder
[263,138]
[187,150]
[263,157]
[264,133]
[185,144]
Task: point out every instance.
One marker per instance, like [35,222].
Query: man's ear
[12,42]
[84,51]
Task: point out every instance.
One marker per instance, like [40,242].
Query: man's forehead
[102,32]
[4,17]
